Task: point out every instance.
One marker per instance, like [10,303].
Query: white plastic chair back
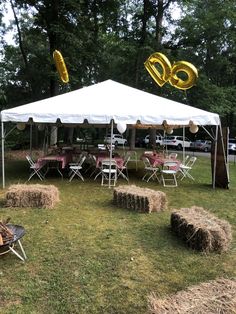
[109,171]
[173,155]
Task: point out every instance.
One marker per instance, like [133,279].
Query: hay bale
[139,199]
[35,195]
[218,296]
[201,229]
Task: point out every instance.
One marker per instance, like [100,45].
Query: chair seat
[169,171]
[75,167]
[109,171]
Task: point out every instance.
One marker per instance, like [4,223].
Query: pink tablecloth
[64,159]
[158,160]
[119,161]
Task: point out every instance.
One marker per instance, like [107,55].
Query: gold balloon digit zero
[170,73]
[61,66]
[187,68]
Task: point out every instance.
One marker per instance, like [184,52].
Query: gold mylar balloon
[170,73]
[187,68]
[61,66]
[162,60]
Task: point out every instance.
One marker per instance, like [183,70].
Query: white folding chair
[173,155]
[35,169]
[168,173]
[182,164]
[185,169]
[102,147]
[124,170]
[133,157]
[150,171]
[109,172]
[75,169]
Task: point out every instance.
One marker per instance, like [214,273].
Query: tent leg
[3,156]
[183,143]
[215,155]
[31,132]
[112,127]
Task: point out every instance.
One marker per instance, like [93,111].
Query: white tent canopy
[102,102]
[105,103]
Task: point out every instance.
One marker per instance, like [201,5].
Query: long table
[157,160]
[62,159]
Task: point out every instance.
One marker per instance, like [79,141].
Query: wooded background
[111,39]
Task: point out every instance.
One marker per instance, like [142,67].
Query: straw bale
[139,199]
[201,230]
[217,296]
[34,195]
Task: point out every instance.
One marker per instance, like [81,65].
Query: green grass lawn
[88,256]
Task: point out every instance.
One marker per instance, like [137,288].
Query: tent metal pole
[224,155]
[211,135]
[31,131]
[215,155]
[112,126]
[3,156]
[183,143]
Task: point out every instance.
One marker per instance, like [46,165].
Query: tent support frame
[4,135]
[3,151]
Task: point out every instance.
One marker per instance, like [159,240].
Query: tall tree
[207,34]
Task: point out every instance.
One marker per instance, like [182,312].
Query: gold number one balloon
[61,66]
[170,73]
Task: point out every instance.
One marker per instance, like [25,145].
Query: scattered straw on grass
[140,199]
[35,195]
[218,296]
[201,229]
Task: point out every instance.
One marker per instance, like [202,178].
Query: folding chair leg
[76,172]
[164,180]
[120,173]
[38,174]
[99,173]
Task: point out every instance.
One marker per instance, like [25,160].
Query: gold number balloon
[170,73]
[162,60]
[61,66]
[187,68]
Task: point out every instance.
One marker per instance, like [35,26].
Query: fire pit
[15,233]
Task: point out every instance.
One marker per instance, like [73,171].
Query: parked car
[159,140]
[232,145]
[117,139]
[201,145]
[177,142]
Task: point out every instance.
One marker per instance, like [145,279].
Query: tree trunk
[132,138]
[152,138]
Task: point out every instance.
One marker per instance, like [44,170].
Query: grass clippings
[201,230]
[218,296]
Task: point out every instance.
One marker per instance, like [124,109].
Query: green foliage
[207,33]
[112,39]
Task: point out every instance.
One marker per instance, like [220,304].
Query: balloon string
[186,97]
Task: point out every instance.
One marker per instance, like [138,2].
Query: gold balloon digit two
[61,66]
[170,73]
